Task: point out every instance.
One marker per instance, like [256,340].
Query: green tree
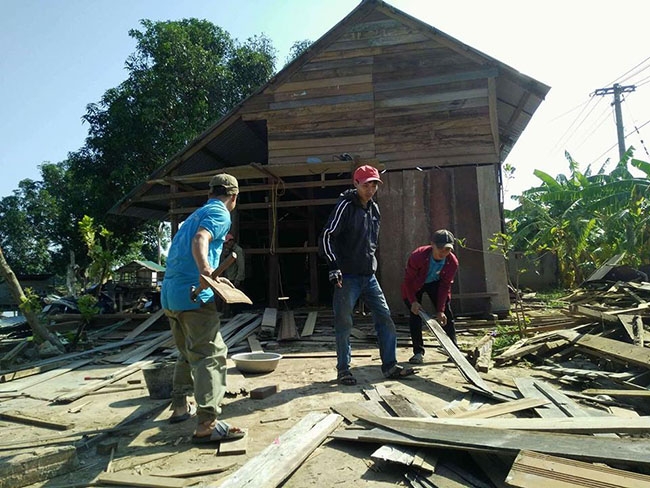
[182,77]
[27,217]
[585,218]
[297,48]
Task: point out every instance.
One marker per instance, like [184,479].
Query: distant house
[436,116]
[140,274]
[42,284]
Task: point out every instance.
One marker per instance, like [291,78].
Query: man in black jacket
[348,243]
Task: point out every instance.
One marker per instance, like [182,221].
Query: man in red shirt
[430,269]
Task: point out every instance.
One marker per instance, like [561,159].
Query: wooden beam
[534,470]
[574,425]
[466,369]
[577,446]
[494,114]
[281,458]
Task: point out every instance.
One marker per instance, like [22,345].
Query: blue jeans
[368,289]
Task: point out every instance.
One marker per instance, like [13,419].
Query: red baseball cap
[366,173]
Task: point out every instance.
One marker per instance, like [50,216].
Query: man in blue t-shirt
[201,366]
[430,269]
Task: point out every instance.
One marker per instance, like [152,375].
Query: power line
[631,69]
[614,145]
[604,117]
[569,111]
[562,140]
[636,129]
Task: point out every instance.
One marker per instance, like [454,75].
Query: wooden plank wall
[382,90]
[416,203]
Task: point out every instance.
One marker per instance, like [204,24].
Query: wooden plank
[308,329]
[358,334]
[372,394]
[243,333]
[281,458]
[129,479]
[228,293]
[58,361]
[527,388]
[70,397]
[616,393]
[12,354]
[194,472]
[36,464]
[466,369]
[577,446]
[403,407]
[481,356]
[165,339]
[234,325]
[535,470]
[321,355]
[288,330]
[27,419]
[503,408]
[144,348]
[145,325]
[636,355]
[394,454]
[235,447]
[568,406]
[633,324]
[576,425]
[350,410]
[425,460]
[593,314]
[254,343]
[49,375]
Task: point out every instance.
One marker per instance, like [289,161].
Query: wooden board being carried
[466,369]
[225,291]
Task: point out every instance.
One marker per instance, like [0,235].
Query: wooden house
[436,116]
[141,273]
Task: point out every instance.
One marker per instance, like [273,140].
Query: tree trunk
[38,329]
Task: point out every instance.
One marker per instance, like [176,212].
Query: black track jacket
[349,240]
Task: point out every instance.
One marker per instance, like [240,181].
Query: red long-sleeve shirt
[417,267]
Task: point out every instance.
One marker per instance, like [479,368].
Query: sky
[57,56]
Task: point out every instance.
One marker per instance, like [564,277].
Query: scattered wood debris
[574,409]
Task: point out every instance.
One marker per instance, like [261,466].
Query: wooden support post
[313,258]
[274,275]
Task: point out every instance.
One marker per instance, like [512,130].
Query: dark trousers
[415,322]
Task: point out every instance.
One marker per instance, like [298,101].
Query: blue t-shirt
[434,270]
[182,273]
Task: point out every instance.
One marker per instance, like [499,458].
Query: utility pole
[617,90]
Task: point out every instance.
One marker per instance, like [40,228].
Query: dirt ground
[150,445]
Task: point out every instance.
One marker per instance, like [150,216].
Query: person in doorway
[431,270]
[201,365]
[236,272]
[348,242]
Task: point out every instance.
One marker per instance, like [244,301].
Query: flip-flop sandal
[398,372]
[222,432]
[191,412]
[346,379]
